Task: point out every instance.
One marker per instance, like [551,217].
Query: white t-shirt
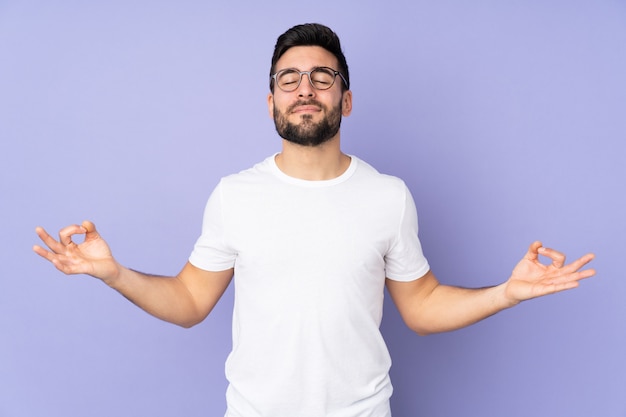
[310,261]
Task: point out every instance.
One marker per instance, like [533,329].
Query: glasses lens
[322,78]
[288,80]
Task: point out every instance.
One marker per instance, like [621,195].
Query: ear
[270,105]
[346,103]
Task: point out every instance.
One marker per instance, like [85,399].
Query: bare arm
[430,307]
[185,299]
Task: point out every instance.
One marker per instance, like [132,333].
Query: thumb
[533,251]
[90,228]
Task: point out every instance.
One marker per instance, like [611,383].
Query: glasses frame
[274,78]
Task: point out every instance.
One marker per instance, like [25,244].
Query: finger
[533,251]
[63,263]
[65,235]
[49,256]
[563,286]
[587,273]
[573,273]
[569,281]
[558,258]
[90,230]
[42,252]
[89,226]
[580,263]
[48,240]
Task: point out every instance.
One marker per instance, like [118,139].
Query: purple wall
[507,121]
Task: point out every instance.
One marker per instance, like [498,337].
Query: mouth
[303,108]
[306,110]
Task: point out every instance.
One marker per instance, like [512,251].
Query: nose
[305,89]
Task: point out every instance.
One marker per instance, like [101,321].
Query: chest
[311,227]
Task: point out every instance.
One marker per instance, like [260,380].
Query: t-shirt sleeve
[211,251]
[405,260]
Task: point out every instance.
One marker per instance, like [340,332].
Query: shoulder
[370,177]
[259,172]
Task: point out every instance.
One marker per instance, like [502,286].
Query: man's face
[308,116]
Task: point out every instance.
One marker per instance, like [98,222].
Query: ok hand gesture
[92,256]
[531,278]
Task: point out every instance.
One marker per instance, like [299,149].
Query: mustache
[310,102]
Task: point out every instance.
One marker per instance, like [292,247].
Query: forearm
[450,308]
[166,298]
[430,307]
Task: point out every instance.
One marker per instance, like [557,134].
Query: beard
[307,132]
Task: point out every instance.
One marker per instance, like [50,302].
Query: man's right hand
[185,299]
[92,256]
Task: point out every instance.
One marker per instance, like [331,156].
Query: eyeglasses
[321,78]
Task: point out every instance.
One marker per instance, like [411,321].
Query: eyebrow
[312,68]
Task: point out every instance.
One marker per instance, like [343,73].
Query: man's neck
[313,163]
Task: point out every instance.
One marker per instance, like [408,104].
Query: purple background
[506,119]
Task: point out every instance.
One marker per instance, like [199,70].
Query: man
[314,236]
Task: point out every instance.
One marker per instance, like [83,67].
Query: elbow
[421,327]
[189,322]
[421,330]
[187,325]
[426,327]
[191,317]
[417,327]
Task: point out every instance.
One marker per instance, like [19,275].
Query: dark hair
[311,34]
